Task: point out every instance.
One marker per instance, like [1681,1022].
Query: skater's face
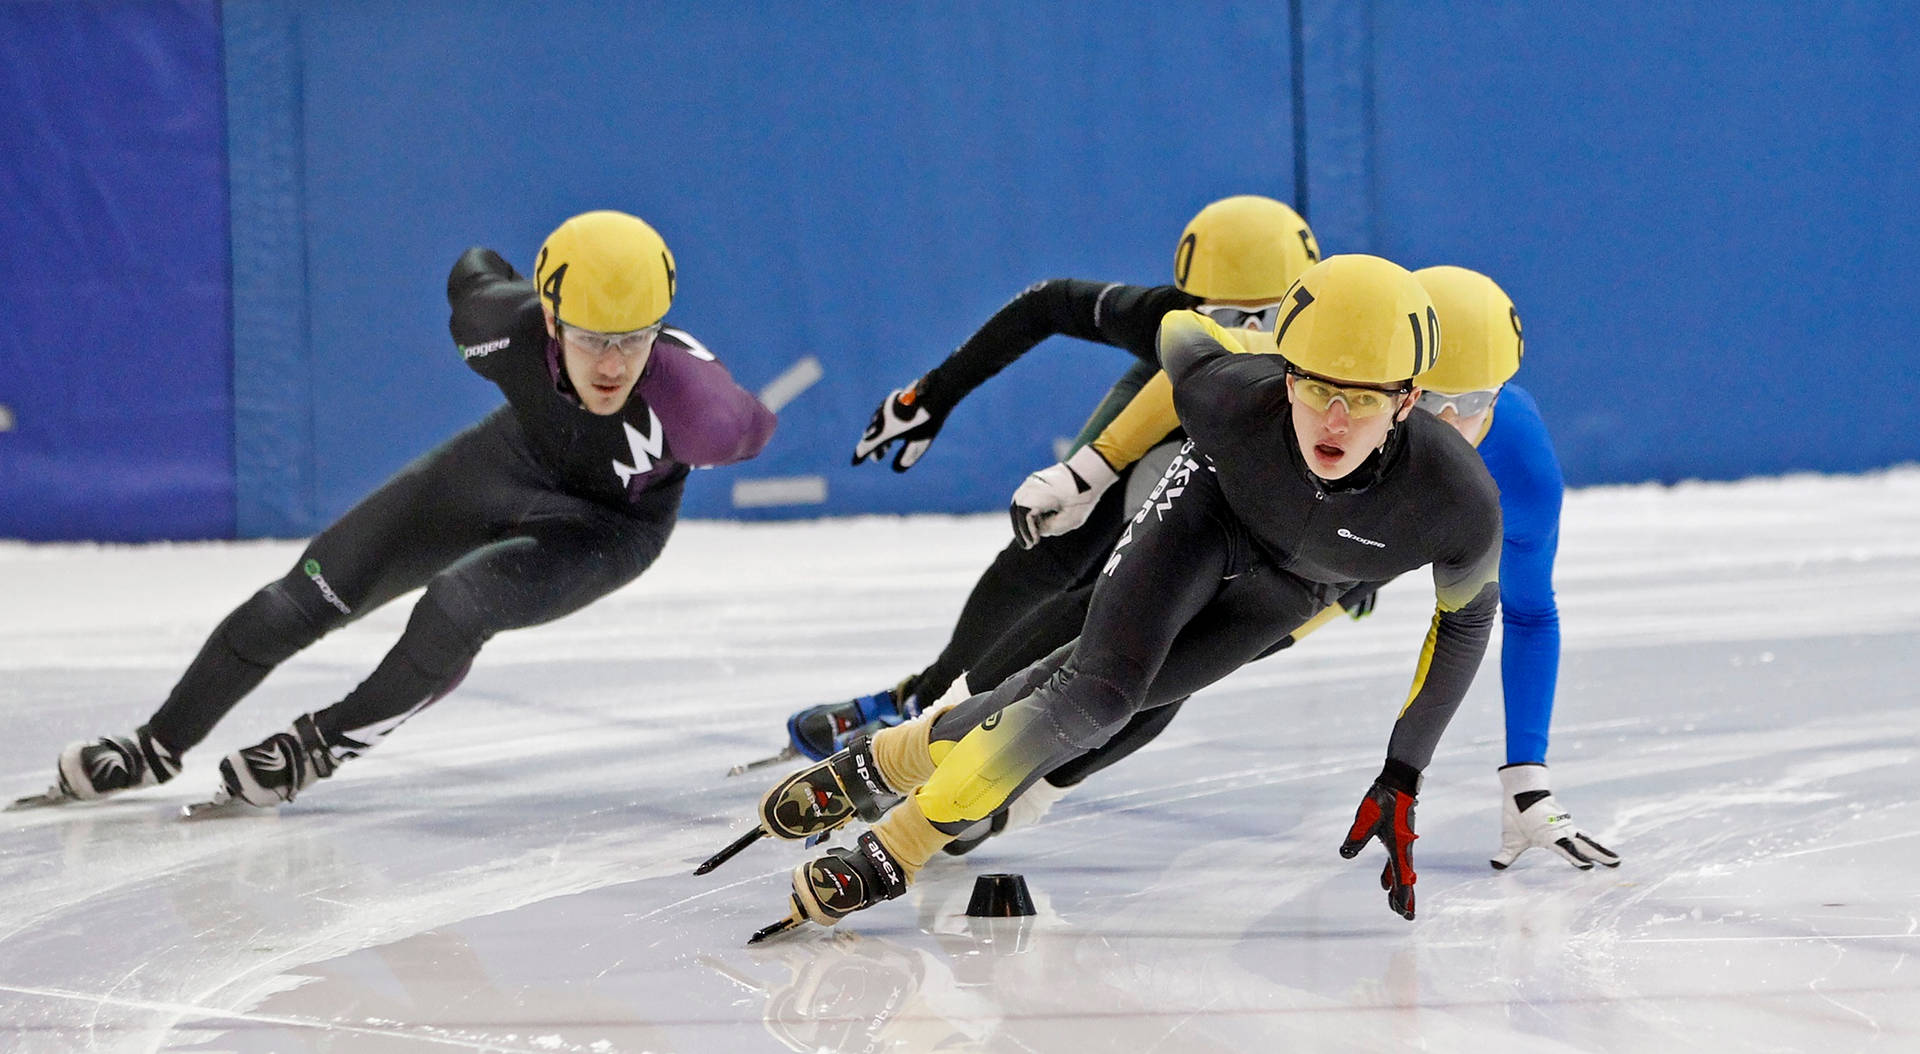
[1338,425]
[604,367]
[1466,411]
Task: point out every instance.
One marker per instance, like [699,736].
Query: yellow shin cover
[909,838]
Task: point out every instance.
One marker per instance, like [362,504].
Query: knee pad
[1090,713]
[444,633]
[271,626]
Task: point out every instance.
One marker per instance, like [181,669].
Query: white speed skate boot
[95,768]
[279,767]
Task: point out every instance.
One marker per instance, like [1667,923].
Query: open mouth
[1328,451]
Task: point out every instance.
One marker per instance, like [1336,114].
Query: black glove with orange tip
[911,417]
[1386,813]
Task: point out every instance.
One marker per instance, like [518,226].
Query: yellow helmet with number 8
[605,271]
[1481,346]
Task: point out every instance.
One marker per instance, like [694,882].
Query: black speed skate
[818,799]
[831,887]
[95,768]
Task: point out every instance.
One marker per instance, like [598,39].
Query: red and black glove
[1386,813]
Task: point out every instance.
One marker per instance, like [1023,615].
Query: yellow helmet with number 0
[1243,248]
[1359,319]
[605,271]
[1481,346]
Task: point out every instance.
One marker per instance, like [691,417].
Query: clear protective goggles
[1465,404]
[630,345]
[1251,316]
[1361,400]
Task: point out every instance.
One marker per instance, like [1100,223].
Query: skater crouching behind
[1234,261]
[556,499]
[1307,472]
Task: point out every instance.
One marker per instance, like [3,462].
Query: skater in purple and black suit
[556,499]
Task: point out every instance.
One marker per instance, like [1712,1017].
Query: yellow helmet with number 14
[605,271]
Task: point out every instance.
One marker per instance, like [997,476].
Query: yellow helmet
[1481,344]
[1359,319]
[605,271]
[1243,248]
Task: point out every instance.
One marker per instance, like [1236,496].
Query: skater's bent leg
[1053,622]
[1138,732]
[963,717]
[257,636]
[1015,583]
[1057,619]
[429,661]
[907,753]
[1166,570]
[552,569]
[392,541]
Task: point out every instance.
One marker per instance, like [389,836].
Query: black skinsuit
[1238,547]
[533,513]
[1009,604]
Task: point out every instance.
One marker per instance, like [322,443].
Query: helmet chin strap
[1399,417]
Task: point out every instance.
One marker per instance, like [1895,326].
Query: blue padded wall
[859,183]
[1701,212]
[116,416]
[1704,213]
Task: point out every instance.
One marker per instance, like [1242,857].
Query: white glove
[1530,819]
[1060,497]
[1029,807]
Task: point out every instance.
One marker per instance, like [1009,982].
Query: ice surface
[512,871]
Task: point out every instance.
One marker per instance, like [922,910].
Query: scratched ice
[511,872]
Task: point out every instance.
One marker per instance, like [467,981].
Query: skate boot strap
[314,743]
[831,887]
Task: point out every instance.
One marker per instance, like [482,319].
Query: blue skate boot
[818,732]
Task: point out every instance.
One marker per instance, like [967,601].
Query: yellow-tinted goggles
[1360,400]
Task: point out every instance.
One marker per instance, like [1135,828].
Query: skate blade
[777,928]
[790,753]
[39,801]
[214,810]
[732,850]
